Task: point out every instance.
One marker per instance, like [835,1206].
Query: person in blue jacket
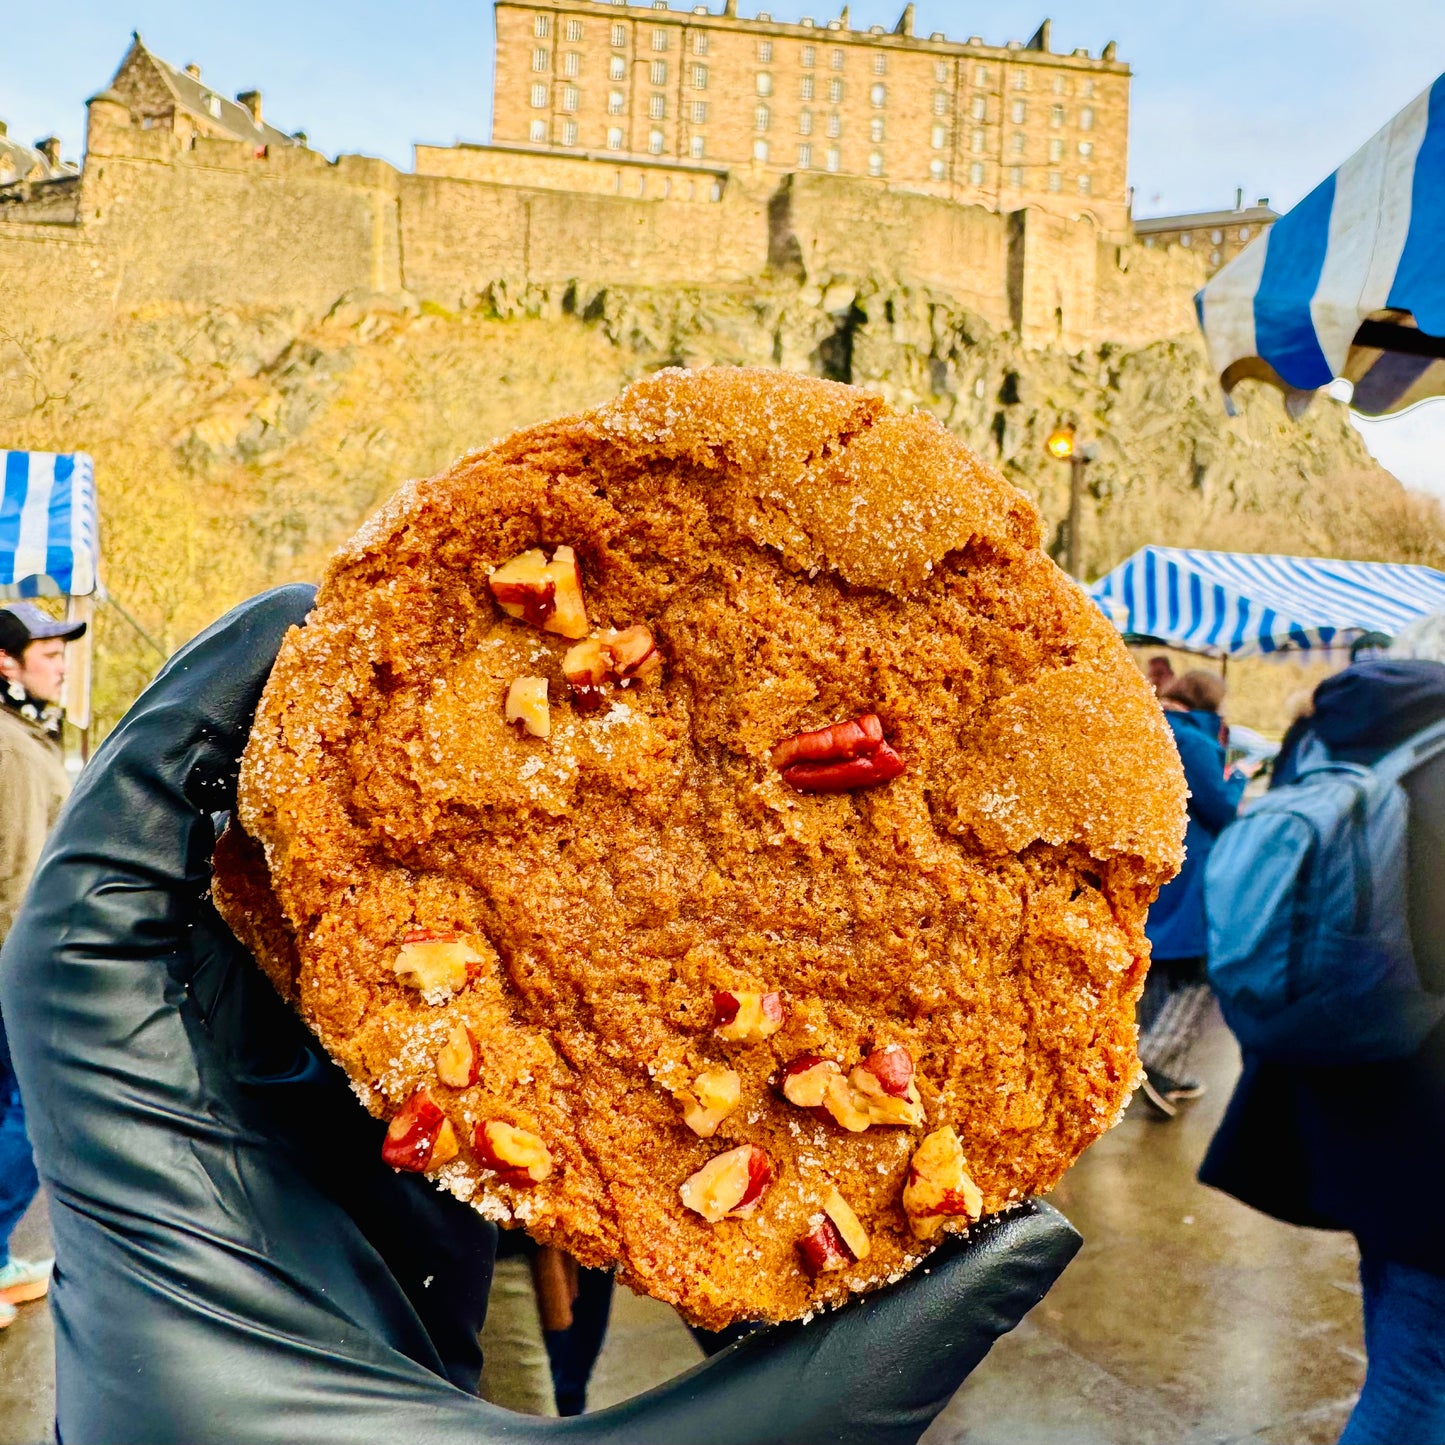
[1176,994]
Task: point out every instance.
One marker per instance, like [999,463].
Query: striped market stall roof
[1351,283]
[49,530]
[1240,603]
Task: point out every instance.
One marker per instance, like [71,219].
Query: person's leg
[18,1179]
[1170,1019]
[1404,1394]
[573,1351]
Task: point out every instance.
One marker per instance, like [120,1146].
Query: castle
[632,145]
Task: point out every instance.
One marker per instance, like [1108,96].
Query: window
[569,97]
[617,68]
[657,72]
[760,151]
[1086,118]
[940,72]
[1056,116]
[835,90]
[1086,185]
[1017,143]
[979,108]
[940,103]
[935,170]
[1020,111]
[810,57]
[834,158]
[762,117]
[764,83]
[571,63]
[699,42]
[875,164]
[835,125]
[836,60]
[880,65]
[975,142]
[699,112]
[1056,150]
[541,26]
[541,59]
[1186,239]
[807,87]
[1058,87]
[574,30]
[569,132]
[1244,233]
[875,129]
[659,40]
[614,137]
[805,156]
[694,147]
[939,137]
[975,174]
[699,77]
[765,52]
[1216,238]
[616,102]
[878,94]
[656,107]
[1016,177]
[539,97]
[980,75]
[619,35]
[1056,182]
[1021,81]
[1086,89]
[805,123]
[1086,149]
[537,132]
[654,142]
[1215,257]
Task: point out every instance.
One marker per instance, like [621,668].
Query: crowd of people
[1348,1145]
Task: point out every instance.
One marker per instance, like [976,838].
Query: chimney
[905,21]
[4,129]
[50,149]
[1040,38]
[251,99]
[1263,201]
[193,70]
[1110,51]
[1239,198]
[731,8]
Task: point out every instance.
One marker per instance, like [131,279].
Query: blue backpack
[1309,939]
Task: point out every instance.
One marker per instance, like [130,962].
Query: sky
[1267,95]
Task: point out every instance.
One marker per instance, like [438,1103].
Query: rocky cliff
[235,448]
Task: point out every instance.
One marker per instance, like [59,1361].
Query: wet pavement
[1185,1319]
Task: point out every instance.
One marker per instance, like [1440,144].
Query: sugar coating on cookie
[716,837]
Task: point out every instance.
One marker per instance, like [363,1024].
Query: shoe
[7,1313]
[1155,1100]
[1176,1089]
[25,1279]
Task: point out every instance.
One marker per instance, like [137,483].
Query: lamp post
[1064,446]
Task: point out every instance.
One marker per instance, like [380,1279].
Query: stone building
[1000,126]
[1217,237]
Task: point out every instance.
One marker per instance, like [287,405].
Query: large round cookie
[663,969]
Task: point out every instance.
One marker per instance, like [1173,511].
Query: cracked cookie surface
[579,900]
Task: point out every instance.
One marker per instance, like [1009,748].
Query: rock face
[235,448]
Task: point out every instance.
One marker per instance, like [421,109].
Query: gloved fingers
[878,1370]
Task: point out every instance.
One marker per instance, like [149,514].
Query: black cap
[22,623]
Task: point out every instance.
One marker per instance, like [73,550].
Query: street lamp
[1064,446]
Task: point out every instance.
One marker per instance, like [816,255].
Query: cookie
[716,837]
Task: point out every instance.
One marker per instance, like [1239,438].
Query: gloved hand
[236,1264]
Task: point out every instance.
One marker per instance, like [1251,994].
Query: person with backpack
[1327,931]
[1176,995]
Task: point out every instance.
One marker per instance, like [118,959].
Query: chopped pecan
[838,758]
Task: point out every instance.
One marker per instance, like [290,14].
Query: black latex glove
[234,1261]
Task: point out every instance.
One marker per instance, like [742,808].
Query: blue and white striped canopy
[1239,603]
[1351,283]
[49,535]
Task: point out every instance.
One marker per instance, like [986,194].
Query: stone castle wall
[217,222]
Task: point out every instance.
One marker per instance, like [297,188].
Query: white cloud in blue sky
[1268,95]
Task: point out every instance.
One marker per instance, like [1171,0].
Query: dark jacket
[1339,1148]
[1176,925]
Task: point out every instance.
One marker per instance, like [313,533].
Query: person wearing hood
[33,784]
[1176,994]
[1319,1146]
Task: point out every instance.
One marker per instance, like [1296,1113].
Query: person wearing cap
[33,785]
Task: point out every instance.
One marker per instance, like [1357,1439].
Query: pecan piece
[838,758]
